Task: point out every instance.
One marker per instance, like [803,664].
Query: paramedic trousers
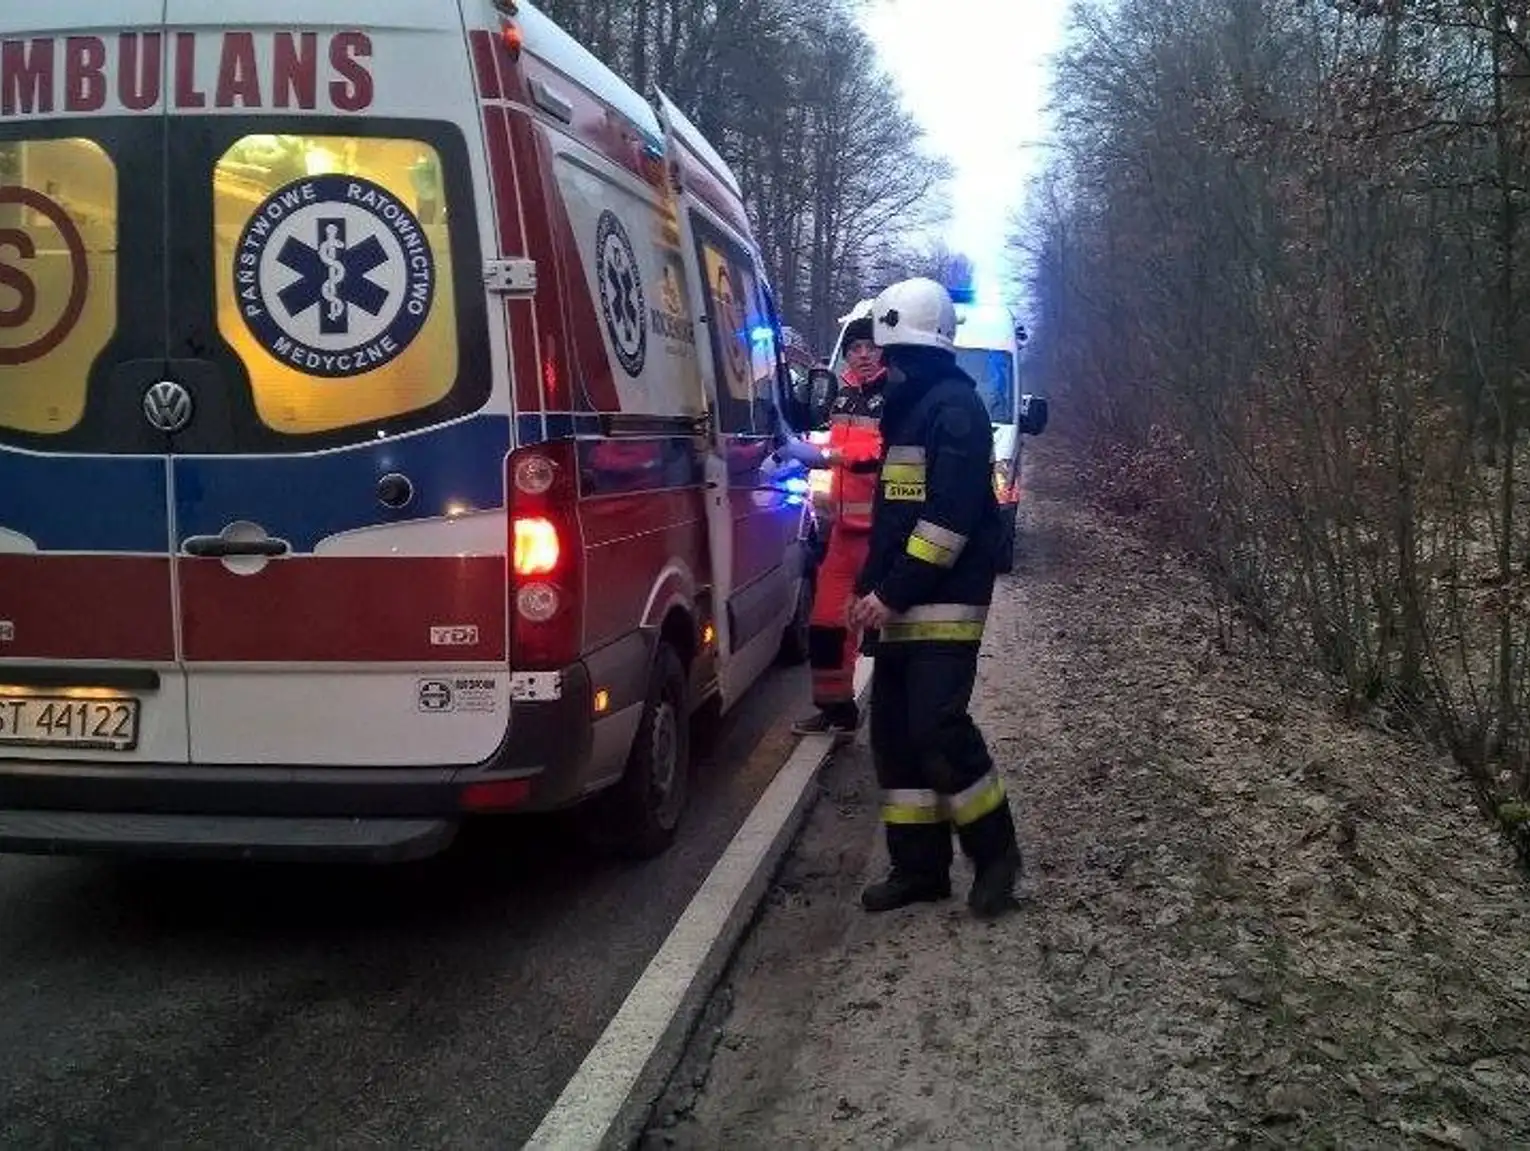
[833,646]
[932,764]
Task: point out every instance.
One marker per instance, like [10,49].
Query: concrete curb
[607,1103]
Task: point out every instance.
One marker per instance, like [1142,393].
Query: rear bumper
[224,837]
[299,813]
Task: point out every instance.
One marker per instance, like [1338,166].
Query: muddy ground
[1247,921]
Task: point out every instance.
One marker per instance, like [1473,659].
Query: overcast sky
[975,73]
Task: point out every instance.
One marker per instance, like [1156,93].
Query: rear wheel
[642,813]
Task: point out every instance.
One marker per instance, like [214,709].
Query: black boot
[900,889]
[993,889]
[837,720]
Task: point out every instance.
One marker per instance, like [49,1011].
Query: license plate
[62,721]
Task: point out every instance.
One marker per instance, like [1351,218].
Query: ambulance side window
[335,282]
[765,356]
[58,278]
[742,334]
[728,314]
[782,373]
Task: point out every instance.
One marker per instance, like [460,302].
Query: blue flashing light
[761,335]
[795,488]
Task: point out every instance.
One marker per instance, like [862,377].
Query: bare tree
[1279,280]
[794,98]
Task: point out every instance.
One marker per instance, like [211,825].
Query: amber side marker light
[511,36]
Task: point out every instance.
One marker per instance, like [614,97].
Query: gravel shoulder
[1247,920]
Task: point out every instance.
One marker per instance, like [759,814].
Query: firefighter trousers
[931,760]
[832,644]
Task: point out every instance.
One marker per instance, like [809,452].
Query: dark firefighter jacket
[935,525]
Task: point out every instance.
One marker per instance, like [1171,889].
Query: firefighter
[925,591]
[852,453]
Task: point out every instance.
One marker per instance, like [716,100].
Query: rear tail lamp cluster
[546,567]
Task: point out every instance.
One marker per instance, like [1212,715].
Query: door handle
[221,547]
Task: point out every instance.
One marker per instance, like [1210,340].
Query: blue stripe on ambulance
[68,503]
[307,498]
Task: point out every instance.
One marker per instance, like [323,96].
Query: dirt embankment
[1247,921]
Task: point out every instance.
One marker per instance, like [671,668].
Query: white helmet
[861,311]
[915,313]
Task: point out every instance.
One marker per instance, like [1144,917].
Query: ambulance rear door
[88,631]
[338,483]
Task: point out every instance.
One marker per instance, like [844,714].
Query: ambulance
[386,392]
[989,341]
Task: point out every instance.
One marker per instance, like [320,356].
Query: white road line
[607,1102]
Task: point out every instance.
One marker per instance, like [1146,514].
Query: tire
[794,640]
[641,815]
[1008,542]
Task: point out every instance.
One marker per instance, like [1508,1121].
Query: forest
[1280,266]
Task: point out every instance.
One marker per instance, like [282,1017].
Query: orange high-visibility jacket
[856,439]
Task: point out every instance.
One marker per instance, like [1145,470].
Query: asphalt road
[440,1004]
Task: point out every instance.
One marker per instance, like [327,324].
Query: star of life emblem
[335,276]
[621,294]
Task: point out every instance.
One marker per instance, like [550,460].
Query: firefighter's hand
[869,613]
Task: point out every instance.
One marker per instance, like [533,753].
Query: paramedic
[925,589]
[852,454]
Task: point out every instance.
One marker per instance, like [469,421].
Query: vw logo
[167,406]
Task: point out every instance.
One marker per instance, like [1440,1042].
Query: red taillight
[536,546]
[499,795]
[546,568]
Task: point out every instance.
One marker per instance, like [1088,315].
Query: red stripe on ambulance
[544,201]
[55,607]
[629,541]
[353,609]
[524,353]
[485,67]
[534,167]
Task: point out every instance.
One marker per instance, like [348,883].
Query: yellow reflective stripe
[953,542]
[912,816]
[922,549]
[904,454]
[983,798]
[935,545]
[912,806]
[903,473]
[932,633]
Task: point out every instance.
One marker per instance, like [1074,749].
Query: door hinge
[510,277]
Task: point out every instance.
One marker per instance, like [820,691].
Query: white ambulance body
[384,391]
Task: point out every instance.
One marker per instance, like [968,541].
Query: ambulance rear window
[335,277]
[58,278]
